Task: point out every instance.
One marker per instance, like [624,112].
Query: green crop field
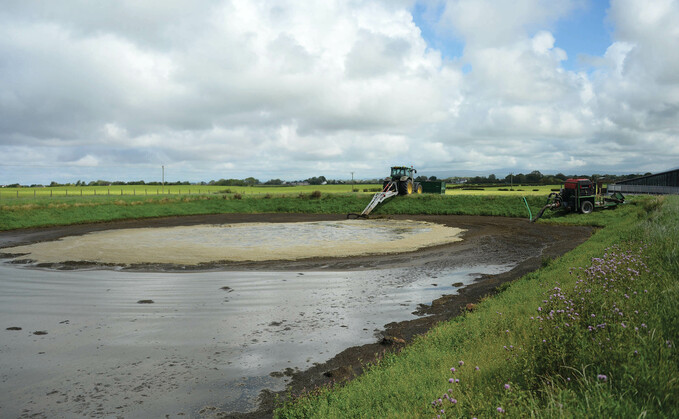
[151,190]
[516,190]
[154,190]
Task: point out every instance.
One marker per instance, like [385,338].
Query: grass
[552,344]
[154,190]
[45,211]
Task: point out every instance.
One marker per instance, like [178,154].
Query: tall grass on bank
[63,211]
[591,334]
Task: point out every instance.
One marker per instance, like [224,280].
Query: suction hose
[530,214]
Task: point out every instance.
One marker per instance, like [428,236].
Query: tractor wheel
[586,207]
[405,187]
[417,188]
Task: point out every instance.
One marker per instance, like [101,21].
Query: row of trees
[533,178]
[537,178]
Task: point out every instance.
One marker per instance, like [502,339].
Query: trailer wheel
[586,207]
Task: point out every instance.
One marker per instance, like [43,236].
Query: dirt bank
[504,240]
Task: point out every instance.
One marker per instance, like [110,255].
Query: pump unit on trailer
[581,195]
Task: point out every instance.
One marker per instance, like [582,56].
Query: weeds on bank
[591,334]
[594,338]
[63,211]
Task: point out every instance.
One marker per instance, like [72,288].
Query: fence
[55,192]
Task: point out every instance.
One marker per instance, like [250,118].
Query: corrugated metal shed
[659,183]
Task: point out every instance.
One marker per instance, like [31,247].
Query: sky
[289,89]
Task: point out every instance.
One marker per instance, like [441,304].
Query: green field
[153,190]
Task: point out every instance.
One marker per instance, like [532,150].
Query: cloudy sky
[114,89]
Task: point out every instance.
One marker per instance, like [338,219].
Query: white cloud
[282,89]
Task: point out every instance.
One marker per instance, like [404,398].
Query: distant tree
[433,178]
[421,179]
[316,180]
[273,182]
[534,177]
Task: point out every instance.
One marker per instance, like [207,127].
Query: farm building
[656,184]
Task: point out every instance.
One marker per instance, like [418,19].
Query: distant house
[656,184]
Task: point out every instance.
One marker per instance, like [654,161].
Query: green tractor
[402,181]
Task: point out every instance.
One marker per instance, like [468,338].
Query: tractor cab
[399,172]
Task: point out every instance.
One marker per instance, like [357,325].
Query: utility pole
[163,179]
[352,181]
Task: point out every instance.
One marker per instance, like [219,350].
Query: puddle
[190,245]
[208,339]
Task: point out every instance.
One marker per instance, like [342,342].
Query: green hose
[529,212]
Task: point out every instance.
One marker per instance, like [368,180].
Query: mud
[487,240]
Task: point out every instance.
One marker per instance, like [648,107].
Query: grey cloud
[375,55]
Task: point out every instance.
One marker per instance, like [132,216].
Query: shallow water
[208,338]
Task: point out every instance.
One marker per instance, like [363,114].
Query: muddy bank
[487,240]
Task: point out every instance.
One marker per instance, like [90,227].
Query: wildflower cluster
[447,401]
[598,311]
